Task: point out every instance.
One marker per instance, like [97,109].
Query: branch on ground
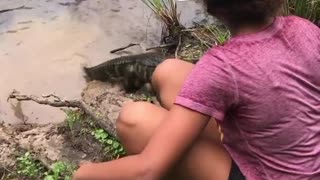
[45,100]
[124,48]
[55,101]
[13,9]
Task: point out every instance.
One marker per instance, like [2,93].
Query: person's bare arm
[171,140]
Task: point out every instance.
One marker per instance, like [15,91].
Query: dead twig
[13,9]
[58,102]
[123,48]
[178,47]
[57,98]
[4,174]
[45,100]
[161,46]
[189,30]
[208,45]
[5,169]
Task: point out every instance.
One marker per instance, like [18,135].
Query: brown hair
[243,12]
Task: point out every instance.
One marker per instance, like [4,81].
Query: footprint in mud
[115,10]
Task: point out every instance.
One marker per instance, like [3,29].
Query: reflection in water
[43,49]
[18,112]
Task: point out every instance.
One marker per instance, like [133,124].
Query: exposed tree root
[56,101]
[45,100]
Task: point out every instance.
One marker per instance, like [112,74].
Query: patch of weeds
[220,34]
[83,127]
[166,11]
[61,170]
[30,168]
[111,144]
[147,98]
[27,166]
[73,117]
[309,9]
[197,41]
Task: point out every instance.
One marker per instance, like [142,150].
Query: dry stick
[44,100]
[201,40]
[189,30]
[147,49]
[4,174]
[13,9]
[57,98]
[178,47]
[123,48]
[57,102]
[160,46]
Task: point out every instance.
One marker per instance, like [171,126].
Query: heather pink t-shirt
[264,90]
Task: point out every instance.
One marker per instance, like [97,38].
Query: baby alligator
[132,72]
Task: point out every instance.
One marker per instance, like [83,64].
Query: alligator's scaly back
[130,71]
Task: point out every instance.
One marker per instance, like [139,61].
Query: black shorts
[235,173]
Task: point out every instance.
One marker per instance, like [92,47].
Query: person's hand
[83,173]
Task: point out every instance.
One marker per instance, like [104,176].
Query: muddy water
[43,47]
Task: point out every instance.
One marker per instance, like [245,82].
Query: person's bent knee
[164,70]
[125,119]
[129,117]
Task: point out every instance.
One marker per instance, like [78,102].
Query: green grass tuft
[27,166]
[309,9]
[166,10]
[61,170]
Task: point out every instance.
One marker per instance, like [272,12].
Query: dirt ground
[60,142]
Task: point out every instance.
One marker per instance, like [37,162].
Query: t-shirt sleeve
[210,87]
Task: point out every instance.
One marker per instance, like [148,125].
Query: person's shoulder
[297,22]
[300,26]
[294,18]
[216,52]
[217,56]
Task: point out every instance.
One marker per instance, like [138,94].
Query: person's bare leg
[207,159]
[168,78]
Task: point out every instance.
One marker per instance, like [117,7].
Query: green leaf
[115,145]
[49,177]
[67,178]
[121,149]
[109,141]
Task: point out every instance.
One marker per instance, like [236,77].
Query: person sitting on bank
[262,88]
